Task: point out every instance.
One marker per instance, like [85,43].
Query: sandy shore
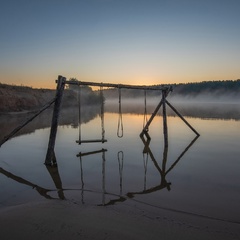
[68,220]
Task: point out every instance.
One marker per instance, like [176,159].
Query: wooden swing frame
[165,89]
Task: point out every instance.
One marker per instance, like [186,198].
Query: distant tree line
[219,87]
[209,86]
[39,96]
[12,86]
[88,96]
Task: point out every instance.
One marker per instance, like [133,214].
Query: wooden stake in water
[165,129]
[184,120]
[50,156]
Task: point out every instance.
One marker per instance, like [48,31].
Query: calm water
[200,178]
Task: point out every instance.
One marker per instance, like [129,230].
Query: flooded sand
[190,190]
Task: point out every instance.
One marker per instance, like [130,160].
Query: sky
[141,42]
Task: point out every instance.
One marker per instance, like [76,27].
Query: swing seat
[91,141]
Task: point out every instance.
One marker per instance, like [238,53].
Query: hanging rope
[102,113]
[145,119]
[120,121]
[79,115]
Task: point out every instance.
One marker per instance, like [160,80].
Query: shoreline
[65,219]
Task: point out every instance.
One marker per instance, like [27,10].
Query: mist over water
[204,106]
[200,106]
[208,97]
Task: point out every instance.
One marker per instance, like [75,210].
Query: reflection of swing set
[81,155]
[163,171]
[54,173]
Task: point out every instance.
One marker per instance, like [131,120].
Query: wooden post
[145,129]
[166,91]
[184,120]
[165,130]
[50,156]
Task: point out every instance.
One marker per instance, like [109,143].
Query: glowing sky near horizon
[119,41]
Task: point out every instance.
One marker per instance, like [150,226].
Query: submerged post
[184,120]
[50,156]
[165,130]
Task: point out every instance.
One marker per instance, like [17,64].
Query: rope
[145,119]
[102,113]
[79,115]
[120,121]
[10,135]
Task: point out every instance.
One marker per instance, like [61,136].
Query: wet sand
[67,220]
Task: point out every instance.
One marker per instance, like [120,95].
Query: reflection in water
[68,116]
[81,155]
[103,177]
[82,181]
[206,178]
[202,110]
[120,168]
[163,171]
[146,139]
[145,163]
[53,171]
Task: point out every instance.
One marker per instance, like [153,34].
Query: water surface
[195,176]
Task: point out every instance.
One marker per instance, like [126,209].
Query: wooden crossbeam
[113,85]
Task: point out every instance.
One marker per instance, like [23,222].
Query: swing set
[50,156]
[80,140]
[165,90]
[120,118]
